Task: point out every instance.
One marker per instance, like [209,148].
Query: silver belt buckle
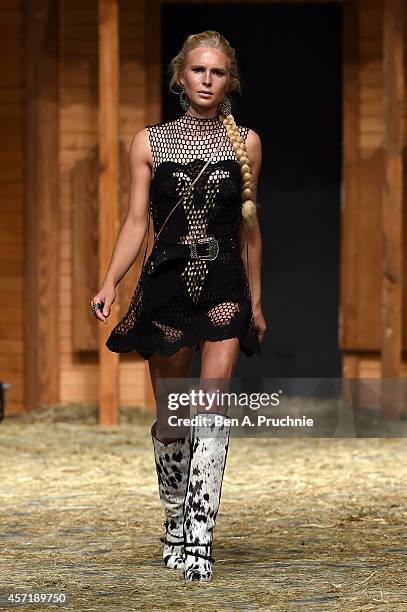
[213,248]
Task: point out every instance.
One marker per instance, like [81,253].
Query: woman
[198,175]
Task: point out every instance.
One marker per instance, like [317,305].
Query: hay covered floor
[304,524]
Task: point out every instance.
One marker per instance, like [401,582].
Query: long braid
[239,146]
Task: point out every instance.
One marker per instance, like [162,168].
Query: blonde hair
[211,38]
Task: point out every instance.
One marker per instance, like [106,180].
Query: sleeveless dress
[184,301]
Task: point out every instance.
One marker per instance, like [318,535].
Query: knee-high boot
[209,447]
[172,464]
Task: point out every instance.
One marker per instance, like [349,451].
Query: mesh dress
[184,300]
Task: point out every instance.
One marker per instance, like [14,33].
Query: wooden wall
[11,198]
[139,104]
[361,272]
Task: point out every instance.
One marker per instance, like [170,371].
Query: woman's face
[206,70]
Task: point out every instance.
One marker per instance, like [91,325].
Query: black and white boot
[172,465]
[209,447]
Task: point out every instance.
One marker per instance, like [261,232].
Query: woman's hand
[106,296]
[259,322]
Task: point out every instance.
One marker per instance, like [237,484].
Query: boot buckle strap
[165,541]
[196,554]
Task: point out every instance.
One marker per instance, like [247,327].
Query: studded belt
[206,248]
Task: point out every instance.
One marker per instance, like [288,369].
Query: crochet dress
[185,300]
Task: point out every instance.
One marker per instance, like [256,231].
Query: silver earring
[184,100]
[225,106]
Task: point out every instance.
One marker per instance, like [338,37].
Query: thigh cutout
[170,333]
[222,314]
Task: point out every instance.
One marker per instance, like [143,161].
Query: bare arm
[132,232]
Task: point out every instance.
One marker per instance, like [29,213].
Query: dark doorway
[290,59]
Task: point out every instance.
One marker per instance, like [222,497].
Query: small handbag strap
[147,233]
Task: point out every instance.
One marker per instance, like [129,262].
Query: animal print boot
[172,464]
[210,444]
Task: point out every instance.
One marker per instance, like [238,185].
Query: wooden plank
[78,114]
[11,95]
[41,194]
[369,142]
[11,284]
[85,16]
[77,76]
[10,267]
[13,252]
[10,17]
[9,331]
[108,195]
[76,47]
[361,215]
[367,336]
[153,70]
[371,125]
[371,109]
[11,363]
[11,79]
[392,203]
[84,236]
[11,346]
[11,193]
[349,275]
[77,141]
[11,4]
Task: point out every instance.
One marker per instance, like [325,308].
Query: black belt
[207,248]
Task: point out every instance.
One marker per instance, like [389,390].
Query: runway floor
[304,524]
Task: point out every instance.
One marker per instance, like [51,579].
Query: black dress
[185,300]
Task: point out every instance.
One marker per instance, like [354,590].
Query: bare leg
[174,366]
[218,362]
